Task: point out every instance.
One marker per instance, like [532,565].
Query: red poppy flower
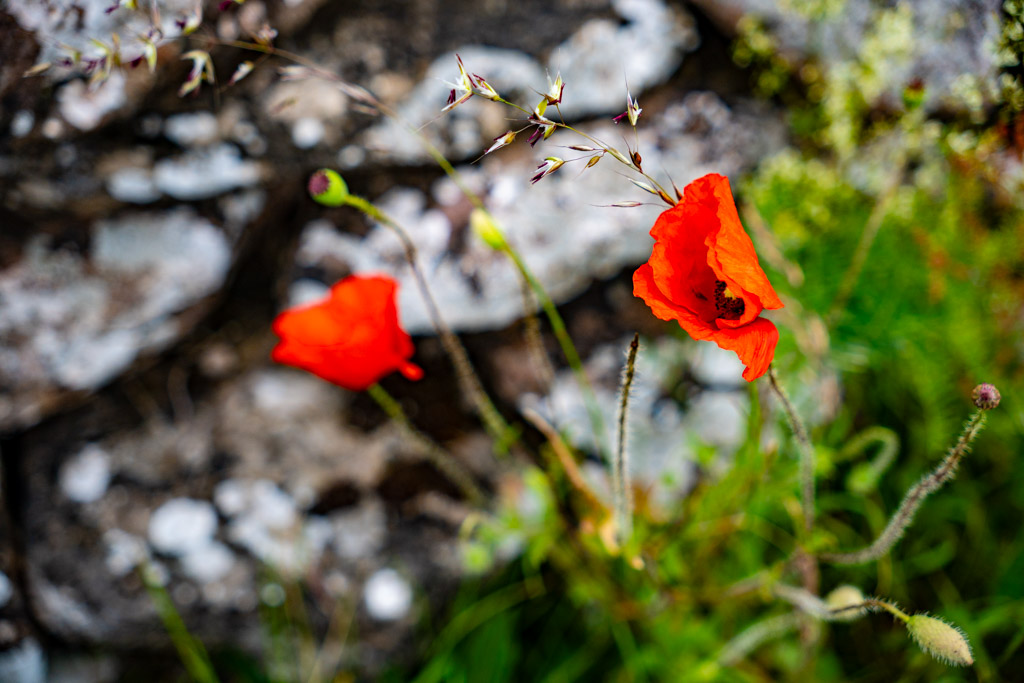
[704,274]
[350,338]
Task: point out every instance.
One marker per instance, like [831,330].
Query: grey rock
[285,441]
[75,323]
[25,663]
[596,63]
[205,172]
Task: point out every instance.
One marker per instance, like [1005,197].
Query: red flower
[704,274]
[350,338]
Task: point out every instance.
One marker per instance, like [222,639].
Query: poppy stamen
[729,307]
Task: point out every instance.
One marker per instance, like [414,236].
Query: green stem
[806,450]
[469,381]
[568,350]
[191,651]
[440,458]
[873,604]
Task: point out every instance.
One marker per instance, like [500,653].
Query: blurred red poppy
[350,338]
[704,274]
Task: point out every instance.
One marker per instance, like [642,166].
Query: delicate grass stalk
[469,381]
[439,457]
[806,450]
[328,658]
[757,635]
[904,516]
[531,331]
[191,651]
[622,489]
[768,246]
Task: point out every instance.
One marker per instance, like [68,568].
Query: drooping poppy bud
[942,641]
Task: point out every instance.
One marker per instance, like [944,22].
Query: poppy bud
[843,601]
[942,641]
[485,228]
[986,396]
[327,187]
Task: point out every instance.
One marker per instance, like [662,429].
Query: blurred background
[151,455]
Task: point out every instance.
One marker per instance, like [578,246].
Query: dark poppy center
[728,306]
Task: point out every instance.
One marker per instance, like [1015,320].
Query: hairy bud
[986,396]
[942,641]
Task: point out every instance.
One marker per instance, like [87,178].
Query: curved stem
[757,635]
[904,516]
[440,458]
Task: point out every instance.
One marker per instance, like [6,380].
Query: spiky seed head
[843,600]
[943,641]
[327,187]
[986,396]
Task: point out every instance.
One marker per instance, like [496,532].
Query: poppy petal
[645,287]
[753,343]
[411,371]
[730,252]
[679,258]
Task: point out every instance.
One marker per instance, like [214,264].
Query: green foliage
[933,310]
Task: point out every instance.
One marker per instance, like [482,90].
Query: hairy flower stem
[806,450]
[622,488]
[440,458]
[469,381]
[811,604]
[904,516]
[757,635]
[871,605]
